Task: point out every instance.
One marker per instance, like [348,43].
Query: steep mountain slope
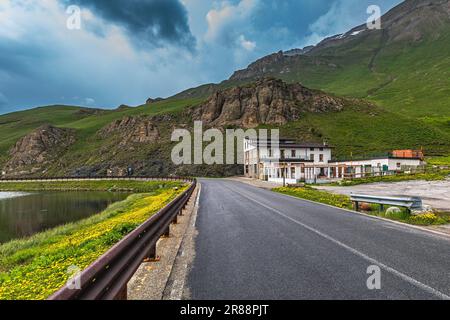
[84,121]
[80,141]
[405,66]
[402,73]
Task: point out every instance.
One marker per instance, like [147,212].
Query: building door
[322,172]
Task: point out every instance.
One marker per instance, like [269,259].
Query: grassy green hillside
[368,131]
[360,130]
[16,125]
[411,79]
[403,70]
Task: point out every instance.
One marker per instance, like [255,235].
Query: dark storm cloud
[150,22]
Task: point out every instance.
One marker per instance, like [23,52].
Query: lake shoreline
[45,257]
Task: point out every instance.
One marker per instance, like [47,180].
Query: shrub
[396,214]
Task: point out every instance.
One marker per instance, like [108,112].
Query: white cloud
[89,101]
[342,16]
[246,44]
[337,20]
[228,17]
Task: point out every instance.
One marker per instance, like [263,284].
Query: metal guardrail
[406,202]
[108,276]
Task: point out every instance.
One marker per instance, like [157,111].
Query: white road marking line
[398,223]
[399,274]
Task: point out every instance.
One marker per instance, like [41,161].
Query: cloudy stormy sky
[129,50]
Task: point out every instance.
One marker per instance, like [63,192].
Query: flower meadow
[36,267]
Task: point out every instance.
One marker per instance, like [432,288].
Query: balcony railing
[285,159]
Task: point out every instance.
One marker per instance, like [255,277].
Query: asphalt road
[256,244]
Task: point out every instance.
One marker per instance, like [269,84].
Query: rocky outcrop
[298,51]
[38,148]
[123,107]
[267,101]
[260,67]
[132,130]
[151,100]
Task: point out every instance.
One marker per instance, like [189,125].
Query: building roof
[289,143]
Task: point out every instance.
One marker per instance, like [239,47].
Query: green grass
[410,79]
[312,194]
[35,267]
[365,131]
[439,161]
[342,201]
[408,82]
[84,185]
[428,219]
[15,125]
[432,176]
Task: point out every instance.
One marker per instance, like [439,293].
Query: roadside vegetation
[34,268]
[342,201]
[308,193]
[427,176]
[86,185]
[439,161]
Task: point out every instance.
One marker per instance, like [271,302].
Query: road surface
[256,244]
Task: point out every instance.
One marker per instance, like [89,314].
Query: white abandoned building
[292,162]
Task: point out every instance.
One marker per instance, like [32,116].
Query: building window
[293,172]
[321,149]
[321,158]
[399,165]
[283,154]
[270,153]
[311,157]
[293,153]
[312,149]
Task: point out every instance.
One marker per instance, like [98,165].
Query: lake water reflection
[24,214]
